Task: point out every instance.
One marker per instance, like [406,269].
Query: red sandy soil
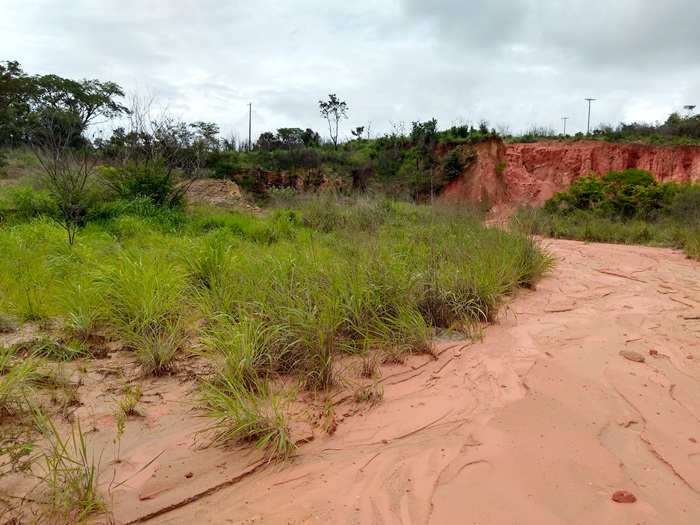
[542,422]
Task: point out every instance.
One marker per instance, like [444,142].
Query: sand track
[540,423]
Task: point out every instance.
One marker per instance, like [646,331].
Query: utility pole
[250,120]
[565,119]
[588,128]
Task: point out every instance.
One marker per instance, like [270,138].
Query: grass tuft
[242,413]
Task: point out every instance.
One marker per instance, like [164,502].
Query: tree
[12,102]
[290,137]
[51,115]
[310,138]
[66,174]
[333,110]
[50,104]
[358,131]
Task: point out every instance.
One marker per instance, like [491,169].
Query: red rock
[653,352]
[692,440]
[622,496]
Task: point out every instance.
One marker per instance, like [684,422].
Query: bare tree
[398,129]
[503,129]
[333,110]
[55,122]
[159,156]
[65,171]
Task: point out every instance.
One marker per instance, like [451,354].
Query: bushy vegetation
[622,207]
[677,129]
[284,294]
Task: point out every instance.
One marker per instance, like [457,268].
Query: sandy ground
[540,423]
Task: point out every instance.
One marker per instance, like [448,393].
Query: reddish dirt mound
[217,192]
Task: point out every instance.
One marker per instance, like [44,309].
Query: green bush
[684,205]
[452,165]
[154,181]
[621,207]
[27,203]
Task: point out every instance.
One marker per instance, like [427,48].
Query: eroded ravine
[540,423]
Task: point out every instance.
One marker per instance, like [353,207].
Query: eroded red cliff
[506,176]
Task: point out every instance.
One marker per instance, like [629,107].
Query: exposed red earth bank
[505,176]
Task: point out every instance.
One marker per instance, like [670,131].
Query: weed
[47,347]
[17,448]
[120,418]
[242,414]
[70,481]
[371,394]
[126,406]
[369,367]
[19,377]
[129,399]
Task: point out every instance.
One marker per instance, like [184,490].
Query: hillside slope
[506,176]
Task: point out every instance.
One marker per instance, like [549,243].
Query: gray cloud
[522,62]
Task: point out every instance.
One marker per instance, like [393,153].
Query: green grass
[589,227]
[244,414]
[70,487]
[284,292]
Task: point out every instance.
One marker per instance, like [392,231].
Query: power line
[588,128]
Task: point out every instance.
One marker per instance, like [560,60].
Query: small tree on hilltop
[358,131]
[333,110]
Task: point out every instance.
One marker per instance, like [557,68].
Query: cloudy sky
[515,63]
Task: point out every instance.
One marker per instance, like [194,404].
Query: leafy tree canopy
[34,107]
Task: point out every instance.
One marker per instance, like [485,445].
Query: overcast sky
[512,62]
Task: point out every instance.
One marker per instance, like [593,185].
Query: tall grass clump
[247,413]
[144,304]
[70,483]
[242,350]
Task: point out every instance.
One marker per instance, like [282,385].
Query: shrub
[153,181]
[626,206]
[452,165]
[28,203]
[684,205]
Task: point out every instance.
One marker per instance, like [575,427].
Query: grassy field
[295,291]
